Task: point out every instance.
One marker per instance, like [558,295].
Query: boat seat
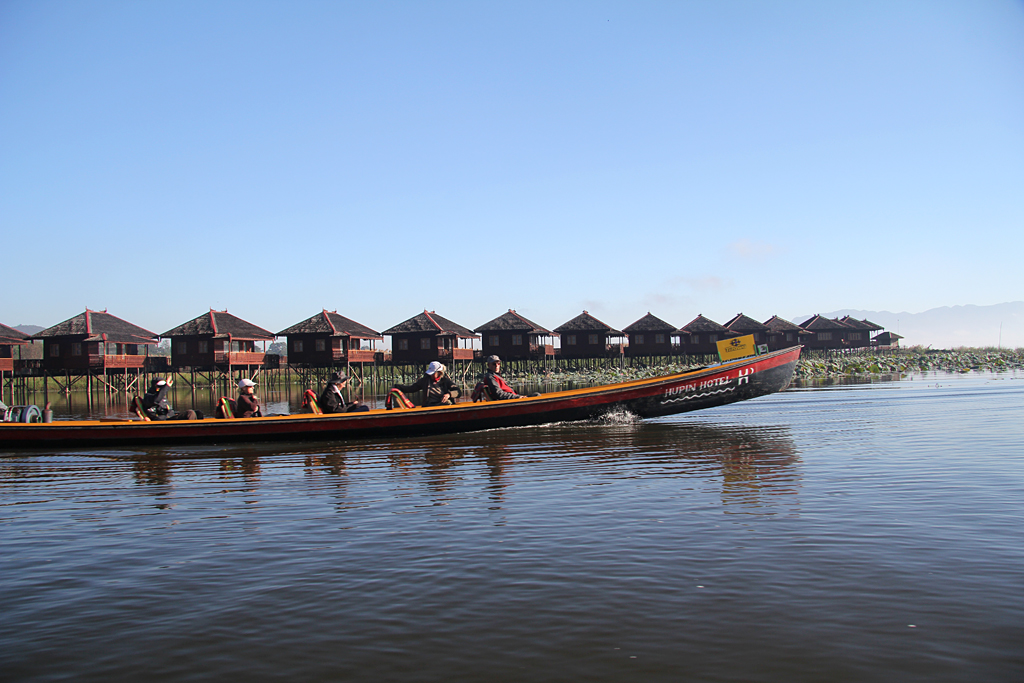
[479,393]
[309,399]
[139,410]
[225,408]
[397,400]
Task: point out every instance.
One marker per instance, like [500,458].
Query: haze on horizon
[378,159]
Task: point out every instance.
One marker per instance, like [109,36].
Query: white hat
[243,383]
[435,367]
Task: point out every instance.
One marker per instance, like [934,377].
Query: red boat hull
[696,390]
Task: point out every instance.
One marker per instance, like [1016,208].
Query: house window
[403,344]
[204,346]
[297,346]
[638,338]
[571,340]
[492,340]
[517,340]
[321,345]
[695,339]
[76,349]
[425,343]
[659,339]
[592,340]
[824,336]
[54,350]
[712,338]
[182,347]
[855,336]
[112,349]
[789,336]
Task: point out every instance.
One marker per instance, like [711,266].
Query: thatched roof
[744,324]
[649,323]
[99,326]
[429,321]
[220,325]
[513,322]
[702,325]
[9,335]
[330,323]
[777,324]
[819,323]
[585,322]
[860,324]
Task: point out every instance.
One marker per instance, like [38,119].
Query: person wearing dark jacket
[333,401]
[155,403]
[437,387]
[495,387]
[247,405]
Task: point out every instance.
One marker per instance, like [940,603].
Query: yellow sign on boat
[737,347]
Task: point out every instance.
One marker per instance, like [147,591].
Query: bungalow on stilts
[97,347]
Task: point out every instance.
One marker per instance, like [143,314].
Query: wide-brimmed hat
[435,366]
[493,359]
[337,378]
[243,383]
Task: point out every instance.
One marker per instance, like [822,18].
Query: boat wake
[619,416]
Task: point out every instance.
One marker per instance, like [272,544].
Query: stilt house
[587,337]
[9,338]
[649,336]
[887,340]
[512,337]
[783,334]
[94,341]
[428,336]
[861,331]
[742,325]
[701,335]
[328,340]
[825,333]
[216,339]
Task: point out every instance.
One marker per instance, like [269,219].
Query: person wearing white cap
[247,405]
[438,387]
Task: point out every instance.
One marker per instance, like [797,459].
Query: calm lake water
[872,532]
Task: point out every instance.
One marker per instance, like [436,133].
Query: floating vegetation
[911,360]
[812,365]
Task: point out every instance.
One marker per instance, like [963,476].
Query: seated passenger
[332,400]
[247,404]
[438,387]
[494,386]
[155,403]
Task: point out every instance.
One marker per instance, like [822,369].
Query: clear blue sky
[379,158]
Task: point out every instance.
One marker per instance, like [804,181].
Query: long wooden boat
[695,390]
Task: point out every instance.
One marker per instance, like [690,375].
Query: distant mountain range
[29,329]
[949,327]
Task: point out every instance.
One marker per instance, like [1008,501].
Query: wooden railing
[238,358]
[360,355]
[6,365]
[455,354]
[123,362]
[542,350]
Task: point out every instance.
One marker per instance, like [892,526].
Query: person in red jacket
[495,387]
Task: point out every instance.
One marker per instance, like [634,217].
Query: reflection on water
[753,465]
[854,533]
